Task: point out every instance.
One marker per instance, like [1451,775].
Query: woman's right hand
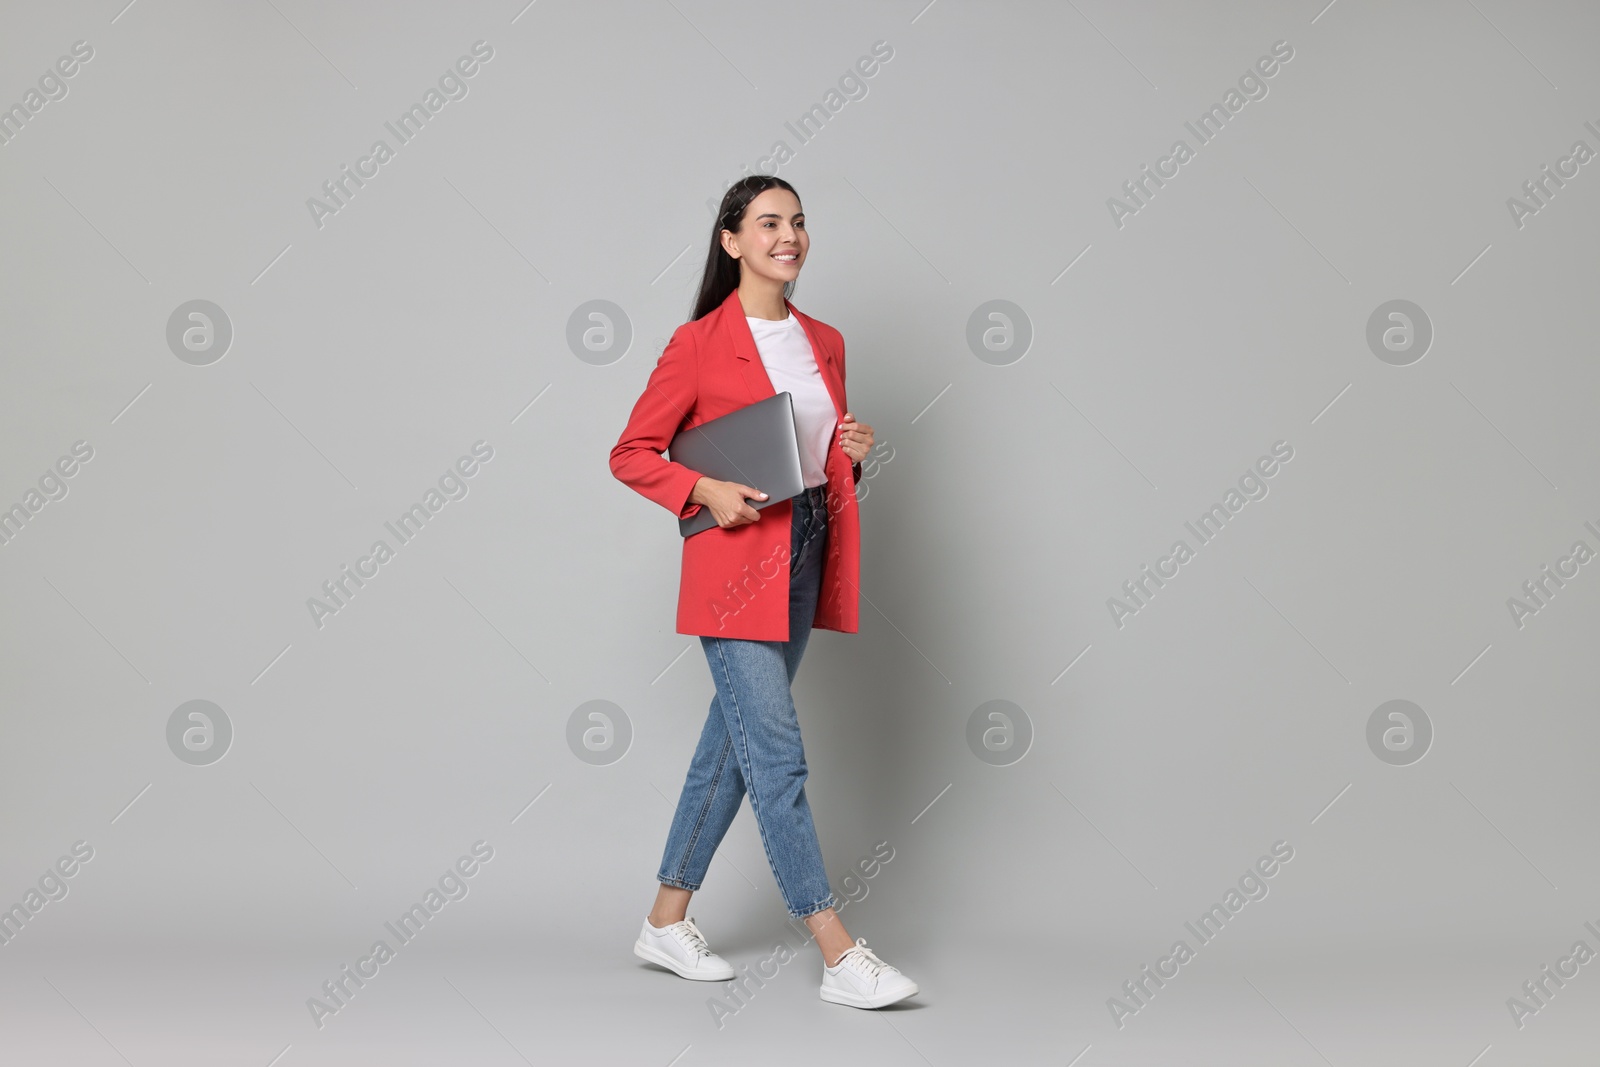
[727,501]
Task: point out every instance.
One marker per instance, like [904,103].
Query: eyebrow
[775,215]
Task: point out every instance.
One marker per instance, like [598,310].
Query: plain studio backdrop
[1338,346]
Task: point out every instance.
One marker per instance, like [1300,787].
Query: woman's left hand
[855,438]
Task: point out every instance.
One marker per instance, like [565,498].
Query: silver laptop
[758,446]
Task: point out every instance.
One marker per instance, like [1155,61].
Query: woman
[754,585]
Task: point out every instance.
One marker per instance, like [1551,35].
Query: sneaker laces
[691,937]
[869,962]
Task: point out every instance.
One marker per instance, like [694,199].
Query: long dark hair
[721,276]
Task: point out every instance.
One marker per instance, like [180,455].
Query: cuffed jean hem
[813,909]
[678,883]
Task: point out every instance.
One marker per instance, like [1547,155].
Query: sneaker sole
[650,955]
[856,1000]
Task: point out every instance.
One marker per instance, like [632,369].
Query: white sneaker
[861,980]
[683,949]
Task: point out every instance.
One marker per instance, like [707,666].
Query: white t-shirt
[792,367]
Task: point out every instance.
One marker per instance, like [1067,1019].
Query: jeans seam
[747,766]
[705,809]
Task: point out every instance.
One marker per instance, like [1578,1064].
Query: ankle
[661,922]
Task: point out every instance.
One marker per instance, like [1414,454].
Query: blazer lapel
[737,331]
[825,357]
[751,369]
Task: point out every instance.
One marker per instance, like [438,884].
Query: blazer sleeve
[666,404]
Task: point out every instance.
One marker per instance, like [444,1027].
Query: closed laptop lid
[756,445]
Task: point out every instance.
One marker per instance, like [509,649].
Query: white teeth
[789,258]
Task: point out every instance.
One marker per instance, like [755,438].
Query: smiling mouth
[786,257]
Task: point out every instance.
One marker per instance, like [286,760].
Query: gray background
[1018,494]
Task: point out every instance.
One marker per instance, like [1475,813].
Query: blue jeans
[751,741]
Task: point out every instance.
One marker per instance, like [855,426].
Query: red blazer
[735,582]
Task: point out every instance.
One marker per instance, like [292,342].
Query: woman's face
[772,239]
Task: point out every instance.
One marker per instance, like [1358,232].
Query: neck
[762,298]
